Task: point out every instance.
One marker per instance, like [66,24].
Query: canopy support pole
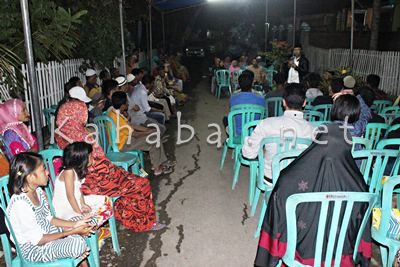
[163,28]
[37,114]
[151,38]
[352,34]
[121,18]
[266,25]
[294,21]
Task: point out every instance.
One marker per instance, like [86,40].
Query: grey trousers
[157,155]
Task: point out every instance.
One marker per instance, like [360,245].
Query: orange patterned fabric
[134,207]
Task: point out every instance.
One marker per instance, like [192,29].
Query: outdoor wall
[388,41]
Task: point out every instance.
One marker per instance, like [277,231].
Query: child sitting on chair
[41,237]
[68,201]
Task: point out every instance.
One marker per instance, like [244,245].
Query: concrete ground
[207,222]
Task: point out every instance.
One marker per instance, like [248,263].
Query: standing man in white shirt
[298,66]
[291,123]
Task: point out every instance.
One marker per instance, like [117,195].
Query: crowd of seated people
[140,104]
[320,168]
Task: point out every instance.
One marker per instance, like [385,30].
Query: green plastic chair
[391,129]
[373,165]
[223,80]
[390,113]
[388,247]
[379,105]
[308,105]
[332,203]
[313,115]
[49,114]
[107,135]
[276,103]
[235,79]
[388,144]
[48,157]
[325,109]
[251,163]
[270,75]
[283,144]
[234,141]
[374,132]
[363,142]
[279,162]
[19,260]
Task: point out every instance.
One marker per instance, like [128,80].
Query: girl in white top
[40,236]
[68,200]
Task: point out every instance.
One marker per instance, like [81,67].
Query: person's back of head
[246,82]
[337,85]
[136,72]
[250,73]
[104,75]
[294,96]
[118,99]
[367,95]
[373,81]
[108,86]
[147,79]
[279,79]
[346,107]
[76,157]
[313,80]
[75,81]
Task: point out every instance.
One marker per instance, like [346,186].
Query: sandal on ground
[157,226]
[164,170]
[169,163]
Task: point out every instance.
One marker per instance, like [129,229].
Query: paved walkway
[208,223]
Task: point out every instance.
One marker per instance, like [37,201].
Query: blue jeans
[158,116]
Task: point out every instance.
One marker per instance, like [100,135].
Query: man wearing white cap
[91,87]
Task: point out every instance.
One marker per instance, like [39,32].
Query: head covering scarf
[9,112]
[320,168]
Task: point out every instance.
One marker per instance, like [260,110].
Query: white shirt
[273,127]
[313,93]
[140,97]
[136,117]
[29,222]
[294,74]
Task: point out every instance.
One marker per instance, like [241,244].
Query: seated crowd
[140,104]
[321,167]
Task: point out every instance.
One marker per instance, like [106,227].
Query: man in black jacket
[298,66]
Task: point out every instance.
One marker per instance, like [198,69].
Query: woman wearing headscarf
[16,135]
[326,167]
[134,207]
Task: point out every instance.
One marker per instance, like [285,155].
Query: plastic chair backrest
[223,77]
[249,127]
[4,191]
[283,144]
[391,129]
[106,133]
[338,207]
[313,115]
[373,165]
[48,156]
[390,113]
[386,204]
[235,78]
[49,114]
[325,109]
[374,132]
[360,141]
[308,105]
[276,103]
[389,144]
[270,71]
[379,105]
[281,161]
[246,113]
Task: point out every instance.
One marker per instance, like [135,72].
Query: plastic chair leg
[235,179]
[391,256]
[384,255]
[94,257]
[6,249]
[261,218]
[114,235]
[224,151]
[141,157]
[255,201]
[252,182]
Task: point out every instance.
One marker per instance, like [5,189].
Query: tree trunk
[376,16]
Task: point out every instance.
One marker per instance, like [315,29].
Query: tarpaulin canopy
[169,5]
